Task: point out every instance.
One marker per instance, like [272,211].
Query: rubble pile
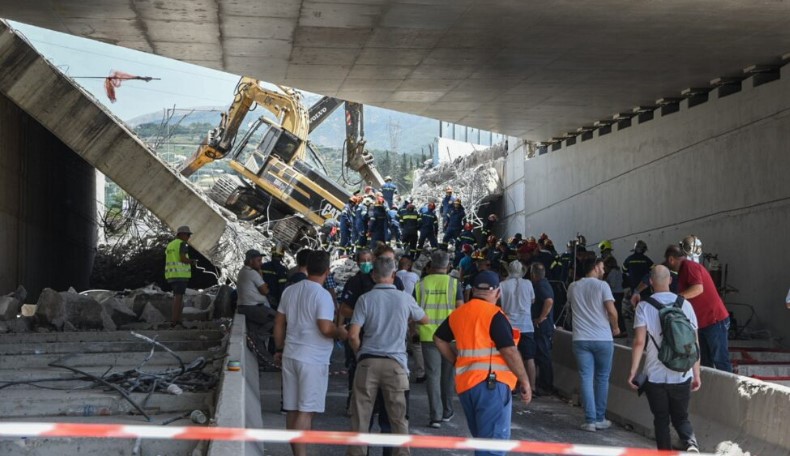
[104,310]
[476,179]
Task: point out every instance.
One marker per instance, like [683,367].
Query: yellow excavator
[279,185]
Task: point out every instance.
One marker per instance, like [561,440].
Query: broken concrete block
[120,313]
[195,314]
[20,325]
[20,294]
[28,310]
[82,311]
[51,309]
[223,305]
[107,323]
[150,314]
[201,301]
[9,307]
[163,302]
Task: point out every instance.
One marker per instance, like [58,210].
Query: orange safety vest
[477,353]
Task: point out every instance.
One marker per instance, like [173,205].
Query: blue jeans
[488,413]
[594,358]
[713,345]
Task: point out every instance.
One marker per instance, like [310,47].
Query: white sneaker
[692,449]
[589,427]
[603,424]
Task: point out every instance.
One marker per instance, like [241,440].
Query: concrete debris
[151,314]
[476,179]
[51,309]
[196,314]
[10,307]
[728,448]
[28,310]
[84,312]
[199,301]
[344,269]
[161,301]
[20,294]
[223,306]
[120,312]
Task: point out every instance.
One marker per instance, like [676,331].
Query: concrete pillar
[47,208]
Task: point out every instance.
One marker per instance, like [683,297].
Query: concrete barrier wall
[239,396]
[728,407]
[717,170]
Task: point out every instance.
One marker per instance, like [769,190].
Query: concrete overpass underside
[530,69]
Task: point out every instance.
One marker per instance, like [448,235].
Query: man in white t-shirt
[304,334]
[252,291]
[594,324]
[516,299]
[668,392]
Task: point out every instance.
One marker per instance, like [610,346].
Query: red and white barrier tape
[119,431]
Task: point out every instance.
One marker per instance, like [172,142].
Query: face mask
[366,267]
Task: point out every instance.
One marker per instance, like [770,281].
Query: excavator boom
[286,106]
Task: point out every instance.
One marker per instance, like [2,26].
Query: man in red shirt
[696,285]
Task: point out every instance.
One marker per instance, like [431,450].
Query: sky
[182,84]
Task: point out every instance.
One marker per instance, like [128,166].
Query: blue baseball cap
[486,280]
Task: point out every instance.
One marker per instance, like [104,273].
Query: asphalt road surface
[547,418]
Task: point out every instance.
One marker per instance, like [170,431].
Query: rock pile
[105,310]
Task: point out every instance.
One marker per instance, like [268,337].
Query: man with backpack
[665,329]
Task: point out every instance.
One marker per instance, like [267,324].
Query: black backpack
[679,349]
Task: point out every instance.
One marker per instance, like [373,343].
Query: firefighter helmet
[691,246]
[492,217]
[605,245]
[581,240]
[491,239]
[410,207]
[431,206]
[640,247]
[388,178]
[448,189]
[467,248]
[468,226]
[277,250]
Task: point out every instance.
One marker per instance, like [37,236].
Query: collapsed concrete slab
[105,142]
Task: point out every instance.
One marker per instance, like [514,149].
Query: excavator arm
[286,106]
[357,158]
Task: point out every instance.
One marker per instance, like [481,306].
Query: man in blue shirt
[389,190]
[543,320]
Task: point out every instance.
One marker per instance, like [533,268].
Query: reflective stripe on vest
[174,267]
[477,353]
[436,296]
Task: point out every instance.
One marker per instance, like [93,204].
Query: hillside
[384,129]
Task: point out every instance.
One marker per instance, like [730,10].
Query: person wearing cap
[636,267]
[487,230]
[252,302]
[438,295]
[428,227]
[487,362]
[178,269]
[455,222]
[447,202]
[389,190]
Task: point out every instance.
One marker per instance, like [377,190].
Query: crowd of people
[478,321]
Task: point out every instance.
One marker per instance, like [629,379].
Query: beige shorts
[304,386]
